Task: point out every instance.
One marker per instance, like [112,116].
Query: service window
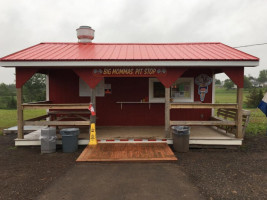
[86,91]
[181,91]
[156,90]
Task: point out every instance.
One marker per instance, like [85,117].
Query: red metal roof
[129,52]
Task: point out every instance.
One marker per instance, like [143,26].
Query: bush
[254,98]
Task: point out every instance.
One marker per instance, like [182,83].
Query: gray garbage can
[69,139]
[48,140]
[180,135]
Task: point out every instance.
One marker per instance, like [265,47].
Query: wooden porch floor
[199,135]
[125,152]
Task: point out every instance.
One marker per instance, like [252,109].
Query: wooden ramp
[127,152]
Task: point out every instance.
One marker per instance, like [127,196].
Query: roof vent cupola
[85,34]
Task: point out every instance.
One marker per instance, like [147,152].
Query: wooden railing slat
[56,106]
[57,123]
[203,123]
[201,106]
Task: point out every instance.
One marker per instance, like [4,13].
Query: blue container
[69,139]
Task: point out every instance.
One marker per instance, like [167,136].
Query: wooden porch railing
[222,122]
[203,106]
[58,118]
[229,120]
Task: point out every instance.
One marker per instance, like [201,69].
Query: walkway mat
[127,152]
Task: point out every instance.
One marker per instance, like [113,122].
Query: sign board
[86,91]
[130,72]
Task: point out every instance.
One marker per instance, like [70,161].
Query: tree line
[33,90]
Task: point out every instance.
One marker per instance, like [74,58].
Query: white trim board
[24,142]
[129,63]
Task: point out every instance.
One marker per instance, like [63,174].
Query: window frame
[191,99]
[151,89]
[162,100]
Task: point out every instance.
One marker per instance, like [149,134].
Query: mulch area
[238,173]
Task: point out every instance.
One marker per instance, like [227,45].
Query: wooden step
[127,152]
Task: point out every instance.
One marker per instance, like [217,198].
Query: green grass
[228,96]
[258,121]
[8,118]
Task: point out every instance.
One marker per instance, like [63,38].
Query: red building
[130,84]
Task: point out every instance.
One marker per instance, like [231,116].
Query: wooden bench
[230,115]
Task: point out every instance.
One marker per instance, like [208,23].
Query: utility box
[48,140]
[180,135]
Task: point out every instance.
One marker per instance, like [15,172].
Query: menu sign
[135,72]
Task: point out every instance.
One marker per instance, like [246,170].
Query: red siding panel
[64,88]
[236,74]
[23,75]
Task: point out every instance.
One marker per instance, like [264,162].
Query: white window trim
[162,100]
[191,99]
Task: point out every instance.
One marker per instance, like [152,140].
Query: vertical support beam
[239,127]
[213,93]
[93,101]
[47,87]
[47,94]
[167,112]
[20,113]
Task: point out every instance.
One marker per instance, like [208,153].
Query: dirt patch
[218,173]
[25,172]
[229,173]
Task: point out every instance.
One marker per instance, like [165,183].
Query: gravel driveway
[239,173]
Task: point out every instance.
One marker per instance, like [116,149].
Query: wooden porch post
[20,113]
[93,101]
[239,112]
[167,112]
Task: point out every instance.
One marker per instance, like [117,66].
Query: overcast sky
[234,22]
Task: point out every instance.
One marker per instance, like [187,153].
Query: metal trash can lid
[181,130]
[69,132]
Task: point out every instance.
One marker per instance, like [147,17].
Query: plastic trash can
[69,139]
[180,135]
[48,140]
